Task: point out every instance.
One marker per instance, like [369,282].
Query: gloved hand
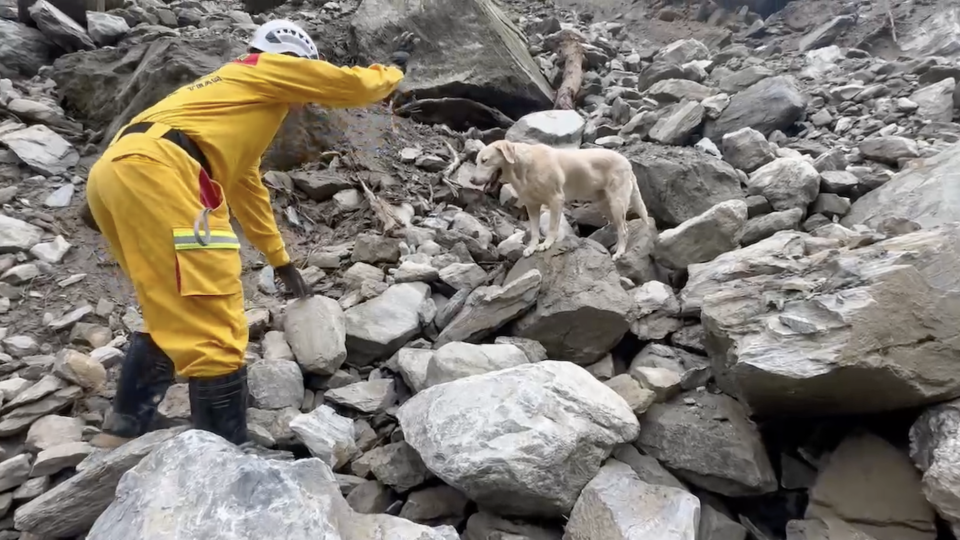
[405,43]
[292,280]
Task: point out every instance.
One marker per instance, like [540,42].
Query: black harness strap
[178,138]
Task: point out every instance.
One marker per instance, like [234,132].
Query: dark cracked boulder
[22,50]
[783,104]
[469,49]
[680,183]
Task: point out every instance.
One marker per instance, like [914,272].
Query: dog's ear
[509,151]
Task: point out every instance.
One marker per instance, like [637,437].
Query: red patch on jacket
[248,59]
[210,196]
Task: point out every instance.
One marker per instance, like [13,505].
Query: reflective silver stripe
[213,239]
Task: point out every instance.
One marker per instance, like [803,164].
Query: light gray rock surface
[378,328]
[486,435]
[560,129]
[458,360]
[617,505]
[315,329]
[702,238]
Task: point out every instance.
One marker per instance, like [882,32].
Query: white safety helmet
[282,36]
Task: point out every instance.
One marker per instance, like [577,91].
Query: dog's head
[494,157]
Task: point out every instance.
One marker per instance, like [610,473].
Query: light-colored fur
[546,176]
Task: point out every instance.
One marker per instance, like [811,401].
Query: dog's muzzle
[480,182]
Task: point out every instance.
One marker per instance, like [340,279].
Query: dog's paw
[529,251]
[616,256]
[545,246]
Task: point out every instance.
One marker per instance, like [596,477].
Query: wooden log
[571,56]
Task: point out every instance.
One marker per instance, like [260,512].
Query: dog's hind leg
[618,213]
[556,212]
[533,223]
[636,203]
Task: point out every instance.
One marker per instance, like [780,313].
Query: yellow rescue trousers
[146,194]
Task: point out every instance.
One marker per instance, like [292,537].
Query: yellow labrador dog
[547,176]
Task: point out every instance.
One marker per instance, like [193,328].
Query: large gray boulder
[469,49]
[316,332]
[23,50]
[458,360]
[935,449]
[581,311]
[928,194]
[60,28]
[73,506]
[680,183]
[936,101]
[708,440]
[842,331]
[702,238]
[617,505]
[522,441]
[218,492]
[786,183]
[378,327]
[488,308]
[888,506]
[782,104]
[560,129]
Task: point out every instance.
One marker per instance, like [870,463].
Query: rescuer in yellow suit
[160,195]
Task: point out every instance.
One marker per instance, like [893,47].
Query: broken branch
[571,57]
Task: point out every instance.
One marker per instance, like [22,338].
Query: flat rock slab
[581,311]
[72,507]
[842,331]
[217,492]
[617,505]
[708,440]
[42,149]
[378,328]
[486,435]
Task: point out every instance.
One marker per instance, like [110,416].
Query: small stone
[61,197]
[637,397]
[367,397]
[80,369]
[397,465]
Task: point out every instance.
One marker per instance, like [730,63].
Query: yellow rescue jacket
[233,115]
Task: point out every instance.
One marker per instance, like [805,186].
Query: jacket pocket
[210,269]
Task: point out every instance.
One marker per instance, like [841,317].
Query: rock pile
[441,386]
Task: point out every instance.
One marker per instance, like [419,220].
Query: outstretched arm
[299,80]
[249,200]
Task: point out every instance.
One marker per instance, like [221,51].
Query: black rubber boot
[145,375]
[219,405]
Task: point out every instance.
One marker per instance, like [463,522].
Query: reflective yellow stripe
[185,239]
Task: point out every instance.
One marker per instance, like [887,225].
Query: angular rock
[51,252]
[16,235]
[693,370]
[655,311]
[55,459]
[371,497]
[745,78]
[935,102]
[675,90]
[926,194]
[23,50]
[53,430]
[710,443]
[875,339]
[486,309]
[888,506]
[617,505]
[42,149]
[434,503]
[519,471]
[458,360]
[80,369]
[377,328]
[475,33]
[681,183]
[367,396]
[765,226]
[826,33]
[463,275]
[716,526]
[637,397]
[581,312]
[560,129]
[275,384]
[396,465]
[70,508]
[786,182]
[648,469]
[679,125]
[485,526]
[197,476]
[106,29]
[413,365]
[315,328]
[702,238]
[60,28]
[826,529]
[682,51]
[327,435]
[747,149]
[889,149]
[14,472]
[782,106]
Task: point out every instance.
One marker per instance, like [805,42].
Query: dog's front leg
[556,212]
[533,222]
